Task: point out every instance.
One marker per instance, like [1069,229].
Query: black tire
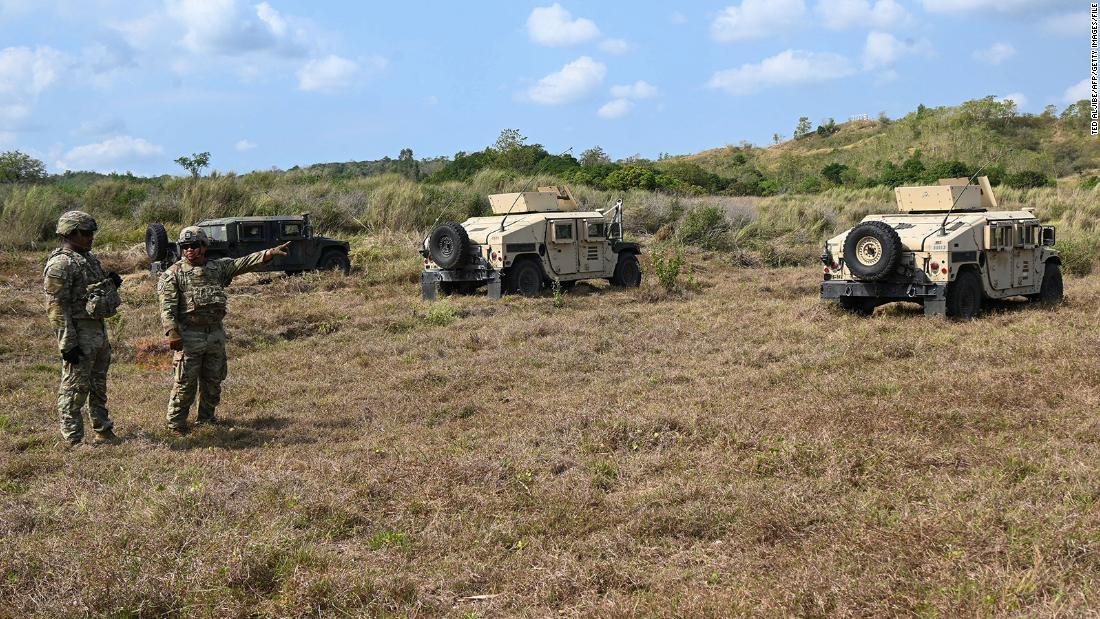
[628,273]
[872,250]
[156,242]
[463,288]
[567,286]
[448,244]
[334,261]
[1051,291]
[964,296]
[525,277]
[862,306]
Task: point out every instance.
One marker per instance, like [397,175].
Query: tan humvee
[950,247]
[532,238]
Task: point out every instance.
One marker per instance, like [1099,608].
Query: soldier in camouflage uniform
[81,295]
[192,305]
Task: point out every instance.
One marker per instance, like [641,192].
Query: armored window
[215,233]
[597,231]
[252,232]
[292,231]
[1027,235]
[563,233]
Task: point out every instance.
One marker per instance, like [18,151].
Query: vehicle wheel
[567,286]
[156,242]
[525,278]
[1050,292]
[627,272]
[858,305]
[872,250]
[447,244]
[964,296]
[464,288]
[334,261]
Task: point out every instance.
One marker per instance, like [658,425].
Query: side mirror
[1049,235]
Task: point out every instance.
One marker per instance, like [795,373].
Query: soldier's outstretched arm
[57,282]
[253,261]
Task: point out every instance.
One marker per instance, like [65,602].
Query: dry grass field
[739,448]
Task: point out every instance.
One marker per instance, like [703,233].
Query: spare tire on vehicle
[872,250]
[447,245]
[156,242]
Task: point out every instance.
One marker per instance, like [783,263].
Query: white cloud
[99,127]
[1016,97]
[615,109]
[327,74]
[842,14]
[638,90]
[574,81]
[1003,6]
[996,54]
[792,67]
[884,49]
[105,155]
[1080,90]
[228,27]
[555,27]
[243,145]
[1067,24]
[615,46]
[14,117]
[755,19]
[26,72]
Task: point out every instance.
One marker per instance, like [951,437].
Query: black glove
[72,355]
[114,277]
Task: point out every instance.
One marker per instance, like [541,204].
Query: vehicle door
[561,246]
[1025,254]
[298,252]
[252,236]
[1000,238]
[593,244]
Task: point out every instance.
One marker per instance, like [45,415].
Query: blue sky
[129,86]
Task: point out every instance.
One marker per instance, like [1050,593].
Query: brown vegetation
[739,448]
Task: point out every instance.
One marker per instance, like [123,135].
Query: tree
[834,173]
[594,156]
[827,128]
[407,166]
[509,139]
[195,163]
[803,128]
[16,166]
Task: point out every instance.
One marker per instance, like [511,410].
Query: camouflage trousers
[200,367]
[85,381]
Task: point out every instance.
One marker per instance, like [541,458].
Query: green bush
[1080,251]
[631,177]
[706,227]
[1028,179]
[667,264]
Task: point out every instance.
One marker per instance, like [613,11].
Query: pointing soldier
[81,294]
[193,303]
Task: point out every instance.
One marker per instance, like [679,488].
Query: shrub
[1028,179]
[667,264]
[631,177]
[1080,252]
[706,227]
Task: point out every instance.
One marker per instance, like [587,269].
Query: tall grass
[28,215]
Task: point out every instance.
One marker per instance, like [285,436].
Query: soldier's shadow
[236,434]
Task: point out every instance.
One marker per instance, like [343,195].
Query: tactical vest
[201,292]
[91,293]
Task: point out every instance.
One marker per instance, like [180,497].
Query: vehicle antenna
[534,176]
[943,224]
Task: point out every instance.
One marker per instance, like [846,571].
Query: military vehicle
[234,237]
[533,238]
[950,247]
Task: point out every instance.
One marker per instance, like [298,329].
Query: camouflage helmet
[193,234]
[71,221]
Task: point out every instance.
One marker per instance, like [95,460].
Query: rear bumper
[883,291]
[430,280]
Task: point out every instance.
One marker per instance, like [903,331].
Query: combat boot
[106,437]
[180,430]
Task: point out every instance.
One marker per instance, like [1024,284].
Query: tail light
[935,267]
[944,270]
